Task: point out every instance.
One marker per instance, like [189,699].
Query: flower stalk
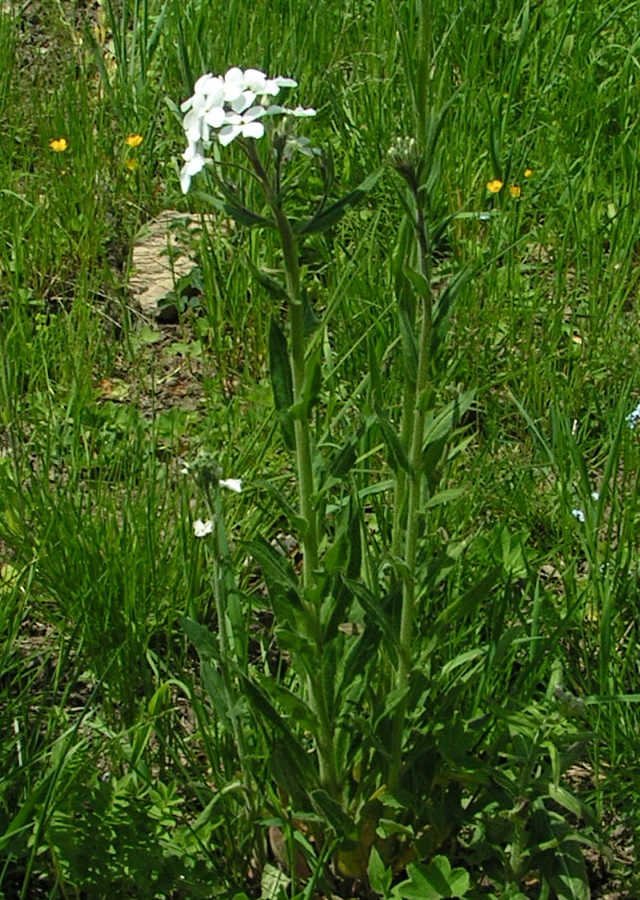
[304,467]
[410,159]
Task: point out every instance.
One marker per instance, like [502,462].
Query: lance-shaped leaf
[332,214]
[409,343]
[398,458]
[274,288]
[310,321]
[281,381]
[237,210]
[312,386]
[444,307]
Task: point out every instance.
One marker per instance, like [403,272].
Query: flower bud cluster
[404,156]
[231,106]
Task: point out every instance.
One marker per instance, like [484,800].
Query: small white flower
[194,163]
[232,484]
[202,529]
[246,125]
[595,495]
[578,514]
[634,417]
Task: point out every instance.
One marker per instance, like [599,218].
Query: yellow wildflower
[58,145]
[132,164]
[133,140]
[528,173]
[515,190]
[495,186]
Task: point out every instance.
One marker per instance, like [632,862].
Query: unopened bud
[403,155]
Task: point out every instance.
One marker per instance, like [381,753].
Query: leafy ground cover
[159,726]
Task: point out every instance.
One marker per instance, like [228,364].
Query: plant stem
[304,465]
[220,557]
[414,479]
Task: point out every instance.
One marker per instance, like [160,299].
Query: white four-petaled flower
[232,106]
[634,417]
[202,529]
[232,484]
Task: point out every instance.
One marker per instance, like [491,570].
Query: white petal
[216,117]
[193,149]
[192,124]
[242,102]
[215,94]
[228,133]
[234,74]
[274,110]
[232,484]
[201,529]
[301,112]
[253,130]
[200,87]
[285,82]
[256,112]
[196,165]
[234,84]
[255,80]
[185,180]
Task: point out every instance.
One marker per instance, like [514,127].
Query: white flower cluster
[231,105]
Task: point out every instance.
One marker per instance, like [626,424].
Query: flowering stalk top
[231,105]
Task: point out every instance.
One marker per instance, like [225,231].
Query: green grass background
[97,553]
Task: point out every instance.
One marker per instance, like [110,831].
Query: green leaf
[564,868]
[469,601]
[214,686]
[292,773]
[363,652]
[281,381]
[312,382]
[443,497]
[418,282]
[332,214]
[343,461]
[434,881]
[398,458]
[202,639]
[310,322]
[409,342]
[280,579]
[375,609]
[444,307]
[274,288]
[244,216]
[274,565]
[380,877]
[332,812]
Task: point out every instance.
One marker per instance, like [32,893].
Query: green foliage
[105,592]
